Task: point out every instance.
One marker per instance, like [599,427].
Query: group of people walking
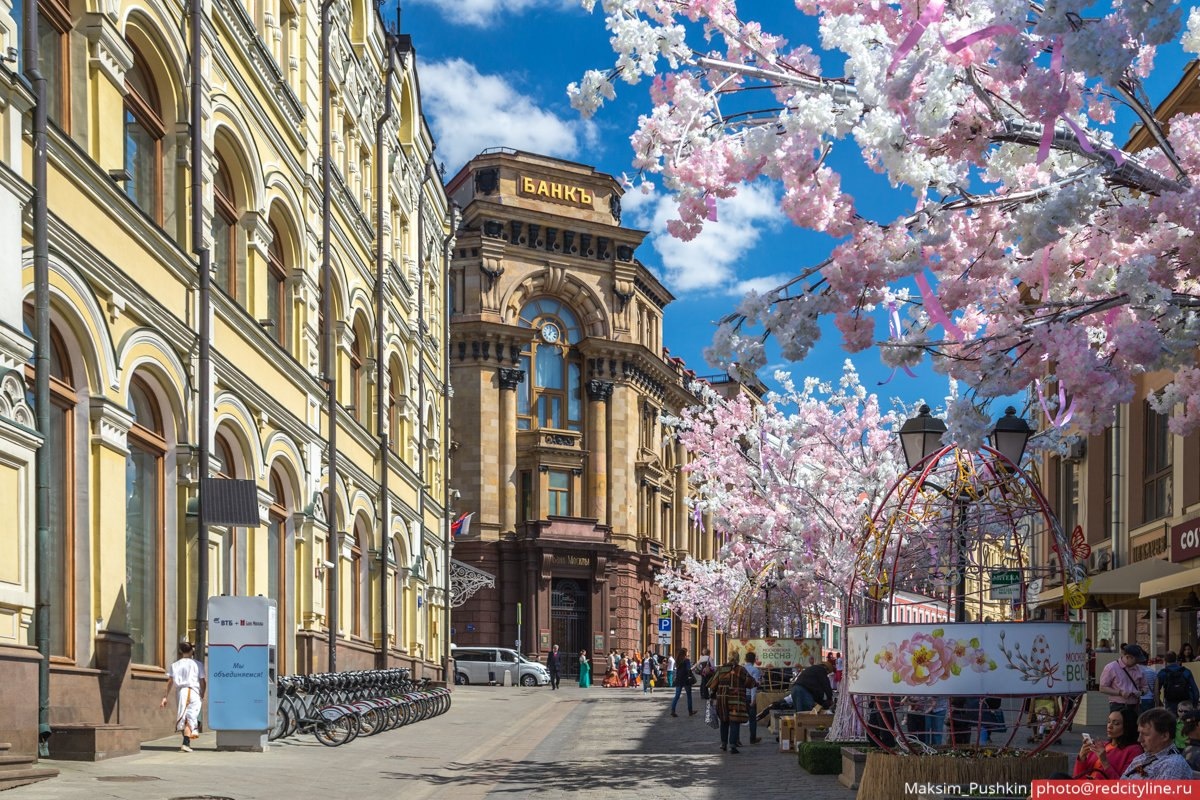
[648,671]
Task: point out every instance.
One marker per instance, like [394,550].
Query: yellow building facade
[124,308]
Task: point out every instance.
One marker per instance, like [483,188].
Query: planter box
[854,761]
[886,774]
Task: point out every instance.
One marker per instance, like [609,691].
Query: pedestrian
[648,674]
[752,696]
[585,670]
[811,688]
[1151,676]
[1160,759]
[704,670]
[1107,761]
[1175,684]
[1191,748]
[1186,654]
[670,669]
[1105,646]
[1122,680]
[614,660]
[839,664]
[728,686]
[186,676]
[554,666]
[686,679]
[623,670]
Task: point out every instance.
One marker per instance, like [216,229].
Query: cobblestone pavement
[493,743]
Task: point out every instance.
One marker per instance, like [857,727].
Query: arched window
[277,306]
[395,409]
[224,230]
[551,395]
[59,446]
[144,524]
[356,580]
[358,375]
[277,562]
[54,59]
[398,604]
[144,132]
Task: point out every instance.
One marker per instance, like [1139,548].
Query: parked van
[484,664]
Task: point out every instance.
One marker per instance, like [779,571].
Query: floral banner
[967,659]
[779,653]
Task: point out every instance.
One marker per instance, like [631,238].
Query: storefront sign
[562,192]
[967,659]
[1150,549]
[571,561]
[1005,584]
[779,653]
[1185,541]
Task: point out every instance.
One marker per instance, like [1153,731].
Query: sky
[494,73]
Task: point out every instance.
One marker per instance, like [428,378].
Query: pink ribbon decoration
[1116,154]
[931,14]
[698,518]
[933,308]
[978,36]
[1065,413]
[894,331]
[710,203]
[1056,60]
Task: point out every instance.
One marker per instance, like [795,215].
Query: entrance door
[570,620]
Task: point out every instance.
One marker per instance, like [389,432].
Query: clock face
[550,332]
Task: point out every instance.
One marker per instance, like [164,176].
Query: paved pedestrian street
[493,743]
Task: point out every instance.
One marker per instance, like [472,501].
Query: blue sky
[494,73]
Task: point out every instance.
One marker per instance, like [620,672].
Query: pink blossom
[924,660]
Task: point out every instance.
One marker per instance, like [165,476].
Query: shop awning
[1172,590]
[1121,587]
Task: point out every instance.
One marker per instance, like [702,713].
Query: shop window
[560,493]
[144,525]
[1156,466]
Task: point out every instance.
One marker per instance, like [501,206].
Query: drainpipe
[41,380]
[204,274]
[452,222]
[380,370]
[421,376]
[328,351]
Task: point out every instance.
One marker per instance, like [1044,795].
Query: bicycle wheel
[282,723]
[335,732]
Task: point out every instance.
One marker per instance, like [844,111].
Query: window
[551,396]
[398,593]
[59,447]
[358,376]
[277,288]
[54,61]
[224,230]
[144,524]
[395,410]
[560,493]
[144,132]
[1156,471]
[356,584]
[525,509]
[276,563]
[1068,487]
[1109,433]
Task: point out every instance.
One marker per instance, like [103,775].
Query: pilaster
[109,57]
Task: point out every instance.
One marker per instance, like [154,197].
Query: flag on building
[461,526]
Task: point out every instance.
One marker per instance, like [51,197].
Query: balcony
[549,440]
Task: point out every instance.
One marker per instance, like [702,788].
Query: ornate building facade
[560,378]
[123,437]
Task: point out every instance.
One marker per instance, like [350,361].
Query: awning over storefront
[1173,590]
[1121,587]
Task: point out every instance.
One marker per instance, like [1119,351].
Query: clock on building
[550,333]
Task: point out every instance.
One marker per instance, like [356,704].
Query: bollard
[508,677]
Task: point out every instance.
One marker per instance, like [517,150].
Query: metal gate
[570,620]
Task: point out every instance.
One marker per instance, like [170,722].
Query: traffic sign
[664,625]
[664,609]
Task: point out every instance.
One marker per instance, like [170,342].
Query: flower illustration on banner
[1036,664]
[928,658]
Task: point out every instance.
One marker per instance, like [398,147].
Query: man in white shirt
[751,666]
[187,676]
[670,669]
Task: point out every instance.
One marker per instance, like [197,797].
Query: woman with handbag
[704,670]
[684,680]
[728,687]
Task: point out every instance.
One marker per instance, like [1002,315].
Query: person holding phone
[1107,761]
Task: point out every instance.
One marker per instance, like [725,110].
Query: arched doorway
[570,620]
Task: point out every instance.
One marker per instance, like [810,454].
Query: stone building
[560,377]
[123,437]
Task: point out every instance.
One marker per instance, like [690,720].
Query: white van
[486,664]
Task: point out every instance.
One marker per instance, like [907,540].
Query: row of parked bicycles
[338,707]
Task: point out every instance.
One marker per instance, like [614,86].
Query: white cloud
[710,262]
[482,12]
[470,111]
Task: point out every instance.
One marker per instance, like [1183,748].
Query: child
[186,676]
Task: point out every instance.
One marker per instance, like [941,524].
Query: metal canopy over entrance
[465,581]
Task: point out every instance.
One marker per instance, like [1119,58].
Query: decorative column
[679,506]
[110,449]
[509,380]
[599,393]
